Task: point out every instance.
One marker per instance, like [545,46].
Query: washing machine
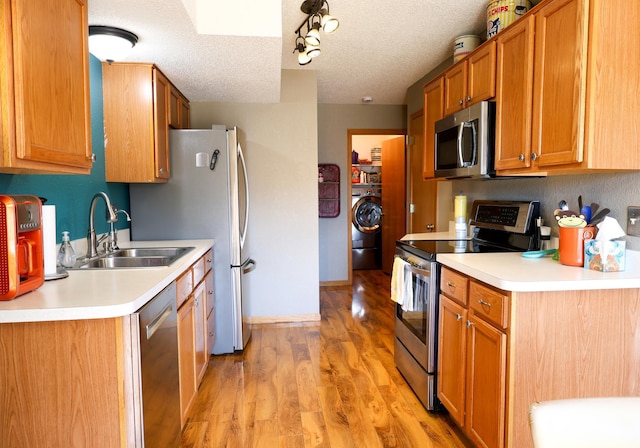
[366,230]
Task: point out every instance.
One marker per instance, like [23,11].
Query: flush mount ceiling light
[110,44]
[318,18]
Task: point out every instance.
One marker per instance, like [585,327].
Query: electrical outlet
[633,220]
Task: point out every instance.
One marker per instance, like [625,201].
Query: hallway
[328,384]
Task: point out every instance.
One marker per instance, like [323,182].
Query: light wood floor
[328,384]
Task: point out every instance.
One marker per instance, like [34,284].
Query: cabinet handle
[534,156]
[210,292]
[460,102]
[92,157]
[451,285]
[482,302]
[468,99]
[458,316]
[469,323]
[209,260]
[431,226]
[521,157]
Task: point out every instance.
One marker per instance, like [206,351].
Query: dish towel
[402,284]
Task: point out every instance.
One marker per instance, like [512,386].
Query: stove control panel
[509,216]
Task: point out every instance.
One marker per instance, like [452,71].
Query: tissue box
[606,256]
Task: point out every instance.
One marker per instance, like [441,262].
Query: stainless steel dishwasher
[159,370]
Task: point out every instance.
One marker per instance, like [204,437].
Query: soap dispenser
[66,255]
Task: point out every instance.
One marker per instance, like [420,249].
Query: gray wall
[282,155]
[333,122]
[615,191]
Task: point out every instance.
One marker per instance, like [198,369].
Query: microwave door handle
[459,142]
[474,132]
[461,162]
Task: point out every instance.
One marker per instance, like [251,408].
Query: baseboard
[285,318]
[336,283]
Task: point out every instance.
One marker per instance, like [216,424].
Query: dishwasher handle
[157,321]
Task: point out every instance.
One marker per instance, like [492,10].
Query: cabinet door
[455,88]
[44,87]
[452,357]
[174,107]
[185,114]
[514,83]
[433,111]
[161,127]
[186,356]
[481,67]
[560,82]
[486,384]
[200,312]
[210,312]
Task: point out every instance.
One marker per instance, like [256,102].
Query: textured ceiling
[380,49]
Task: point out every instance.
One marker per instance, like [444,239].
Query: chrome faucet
[113,233]
[111,217]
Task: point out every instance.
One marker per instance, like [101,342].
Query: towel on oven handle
[402,284]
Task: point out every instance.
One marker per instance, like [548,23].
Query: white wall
[281,142]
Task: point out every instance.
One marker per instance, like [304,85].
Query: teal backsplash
[72,194]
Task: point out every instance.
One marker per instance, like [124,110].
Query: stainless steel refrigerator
[207,196]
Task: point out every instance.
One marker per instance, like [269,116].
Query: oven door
[417,329]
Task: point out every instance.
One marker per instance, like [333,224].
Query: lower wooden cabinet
[200,340]
[485,383]
[472,358]
[452,357]
[186,357]
[210,310]
[195,309]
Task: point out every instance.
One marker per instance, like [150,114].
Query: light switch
[633,220]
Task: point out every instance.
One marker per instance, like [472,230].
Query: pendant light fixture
[318,18]
[110,44]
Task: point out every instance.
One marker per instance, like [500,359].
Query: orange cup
[571,244]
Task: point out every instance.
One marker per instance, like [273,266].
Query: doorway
[372,184]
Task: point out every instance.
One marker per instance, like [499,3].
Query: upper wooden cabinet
[138,109]
[560,80]
[582,112]
[45,122]
[471,80]
[514,95]
[179,112]
[433,111]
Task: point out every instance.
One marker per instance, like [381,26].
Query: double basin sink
[141,257]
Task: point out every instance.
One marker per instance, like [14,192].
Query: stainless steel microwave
[464,142]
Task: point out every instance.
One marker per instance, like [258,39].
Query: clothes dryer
[366,231]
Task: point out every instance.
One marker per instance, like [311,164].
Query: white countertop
[105,293]
[513,272]
[433,236]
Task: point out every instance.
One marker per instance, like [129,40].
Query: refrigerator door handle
[249,266]
[246,193]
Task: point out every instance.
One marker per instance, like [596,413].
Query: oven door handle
[417,270]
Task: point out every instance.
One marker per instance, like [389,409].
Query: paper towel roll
[49,238]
